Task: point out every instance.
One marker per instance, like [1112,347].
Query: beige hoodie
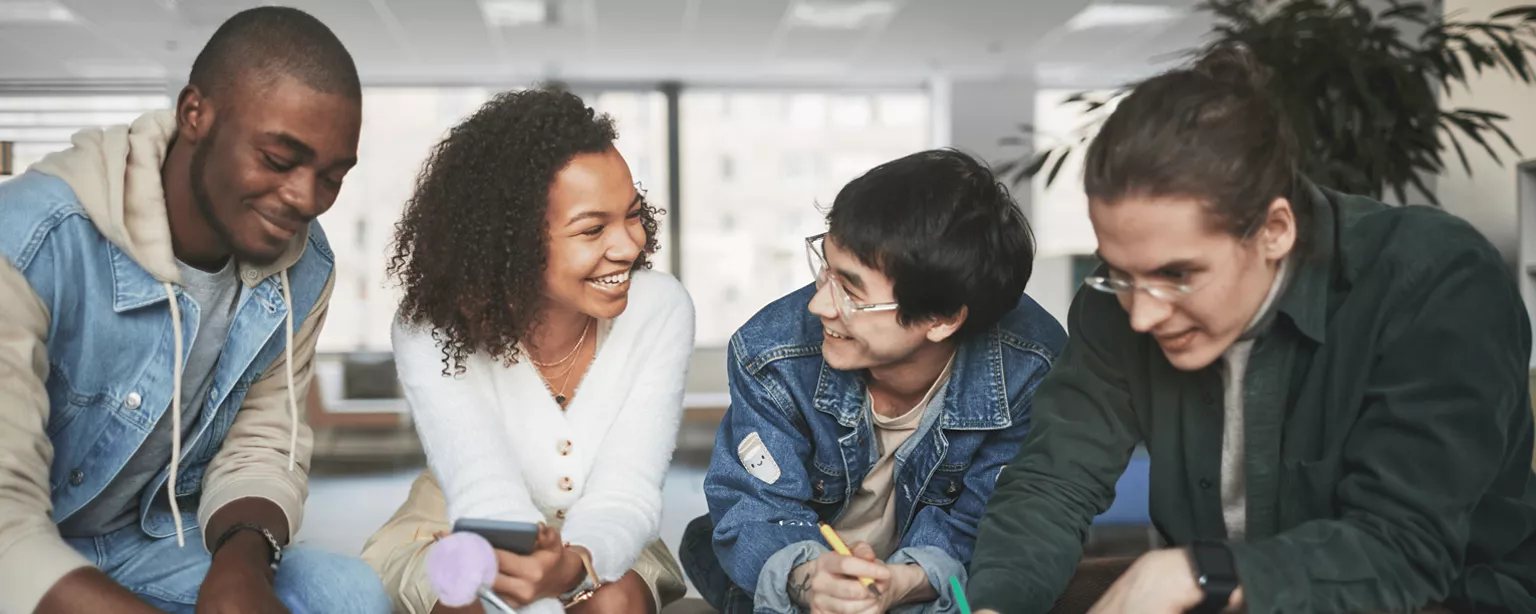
[115,173]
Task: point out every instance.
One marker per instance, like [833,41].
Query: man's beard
[205,201]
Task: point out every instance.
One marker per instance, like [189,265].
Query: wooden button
[566,484]
[560,514]
[564,448]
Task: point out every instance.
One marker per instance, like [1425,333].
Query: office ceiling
[767,42]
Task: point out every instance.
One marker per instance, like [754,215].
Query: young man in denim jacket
[162,286]
[883,400]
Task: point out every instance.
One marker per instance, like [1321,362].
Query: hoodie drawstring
[176,373]
[170,484]
[293,404]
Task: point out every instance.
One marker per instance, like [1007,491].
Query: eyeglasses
[1163,291]
[816,257]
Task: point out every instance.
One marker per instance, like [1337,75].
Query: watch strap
[1217,585]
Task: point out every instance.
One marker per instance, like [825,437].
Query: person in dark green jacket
[1334,392]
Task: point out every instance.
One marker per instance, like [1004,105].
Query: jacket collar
[1305,302]
[133,287]
[976,397]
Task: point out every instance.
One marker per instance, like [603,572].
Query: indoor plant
[1359,88]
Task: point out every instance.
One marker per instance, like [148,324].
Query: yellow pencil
[841,548]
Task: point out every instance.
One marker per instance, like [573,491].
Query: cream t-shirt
[871,515]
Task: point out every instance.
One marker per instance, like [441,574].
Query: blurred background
[739,117]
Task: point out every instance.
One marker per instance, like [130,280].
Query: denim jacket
[813,426]
[87,349]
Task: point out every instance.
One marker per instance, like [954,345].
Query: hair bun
[1235,64]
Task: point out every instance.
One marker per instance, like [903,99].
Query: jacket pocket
[828,486]
[945,486]
[1307,489]
[64,403]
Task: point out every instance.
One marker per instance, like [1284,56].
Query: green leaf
[1460,153]
[1527,13]
[1418,184]
[1056,168]
[1361,97]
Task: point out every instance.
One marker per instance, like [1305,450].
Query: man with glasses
[882,400]
[1333,392]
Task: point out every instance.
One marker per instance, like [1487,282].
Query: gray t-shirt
[117,506]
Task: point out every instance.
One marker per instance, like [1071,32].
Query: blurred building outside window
[790,152]
[41,124]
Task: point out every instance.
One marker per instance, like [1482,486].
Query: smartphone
[514,537]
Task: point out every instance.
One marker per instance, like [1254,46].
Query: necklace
[570,368]
[569,354]
[560,397]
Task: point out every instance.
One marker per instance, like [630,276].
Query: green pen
[965,606]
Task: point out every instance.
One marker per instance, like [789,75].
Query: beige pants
[398,552]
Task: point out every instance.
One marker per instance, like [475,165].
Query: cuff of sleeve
[280,491]
[607,559]
[31,566]
[773,581]
[1261,580]
[995,590]
[939,567]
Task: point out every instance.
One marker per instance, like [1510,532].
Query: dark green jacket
[1387,425]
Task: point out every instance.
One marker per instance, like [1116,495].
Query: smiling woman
[523,257]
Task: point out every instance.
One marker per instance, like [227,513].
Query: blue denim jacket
[110,347]
[811,420]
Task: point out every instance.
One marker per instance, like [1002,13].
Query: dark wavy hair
[471,247]
[1209,131]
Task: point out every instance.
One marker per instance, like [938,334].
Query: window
[39,125]
[727,167]
[852,111]
[899,110]
[734,268]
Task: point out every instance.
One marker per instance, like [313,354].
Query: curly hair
[472,244]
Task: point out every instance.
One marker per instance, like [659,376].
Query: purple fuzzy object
[458,566]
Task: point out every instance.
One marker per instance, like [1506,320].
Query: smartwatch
[1216,574]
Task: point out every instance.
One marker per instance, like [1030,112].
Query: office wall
[1486,198]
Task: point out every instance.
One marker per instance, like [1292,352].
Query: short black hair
[944,230]
[257,45]
[1211,132]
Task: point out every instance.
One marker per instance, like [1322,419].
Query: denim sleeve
[773,583]
[760,512]
[953,530]
[772,594]
[939,566]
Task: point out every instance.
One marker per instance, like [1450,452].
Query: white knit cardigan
[502,449]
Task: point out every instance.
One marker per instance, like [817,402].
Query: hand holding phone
[547,570]
[514,537]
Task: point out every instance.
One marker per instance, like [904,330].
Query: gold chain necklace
[569,354]
[560,397]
